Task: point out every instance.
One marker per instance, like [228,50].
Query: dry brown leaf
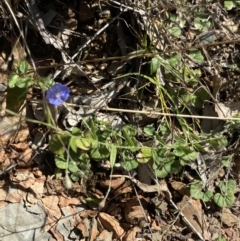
[94,229]
[105,235]
[38,187]
[111,224]
[24,178]
[84,227]
[25,158]
[181,187]
[3,204]
[64,201]
[192,210]
[8,126]
[131,234]
[54,213]
[135,209]
[88,213]
[113,210]
[20,146]
[4,161]
[114,183]
[226,110]
[15,195]
[31,198]
[229,219]
[232,233]
[3,194]
[56,234]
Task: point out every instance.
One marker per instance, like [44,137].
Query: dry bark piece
[111,224]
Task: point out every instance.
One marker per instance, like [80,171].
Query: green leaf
[14,78]
[224,201]
[76,176]
[162,173]
[100,153]
[113,156]
[145,154]
[149,130]
[83,144]
[176,167]
[229,185]
[84,157]
[76,131]
[24,82]
[196,55]
[154,65]
[155,156]
[201,23]
[72,144]
[229,5]
[129,165]
[175,31]
[221,239]
[60,162]
[207,196]
[72,167]
[196,190]
[178,151]
[130,130]
[56,143]
[189,155]
[174,60]
[23,67]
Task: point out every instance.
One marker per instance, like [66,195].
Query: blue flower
[57,94]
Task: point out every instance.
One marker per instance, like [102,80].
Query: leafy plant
[197,193]
[226,196]
[223,199]
[229,5]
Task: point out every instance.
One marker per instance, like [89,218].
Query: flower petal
[57,94]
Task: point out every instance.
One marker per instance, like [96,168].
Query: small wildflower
[57,94]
